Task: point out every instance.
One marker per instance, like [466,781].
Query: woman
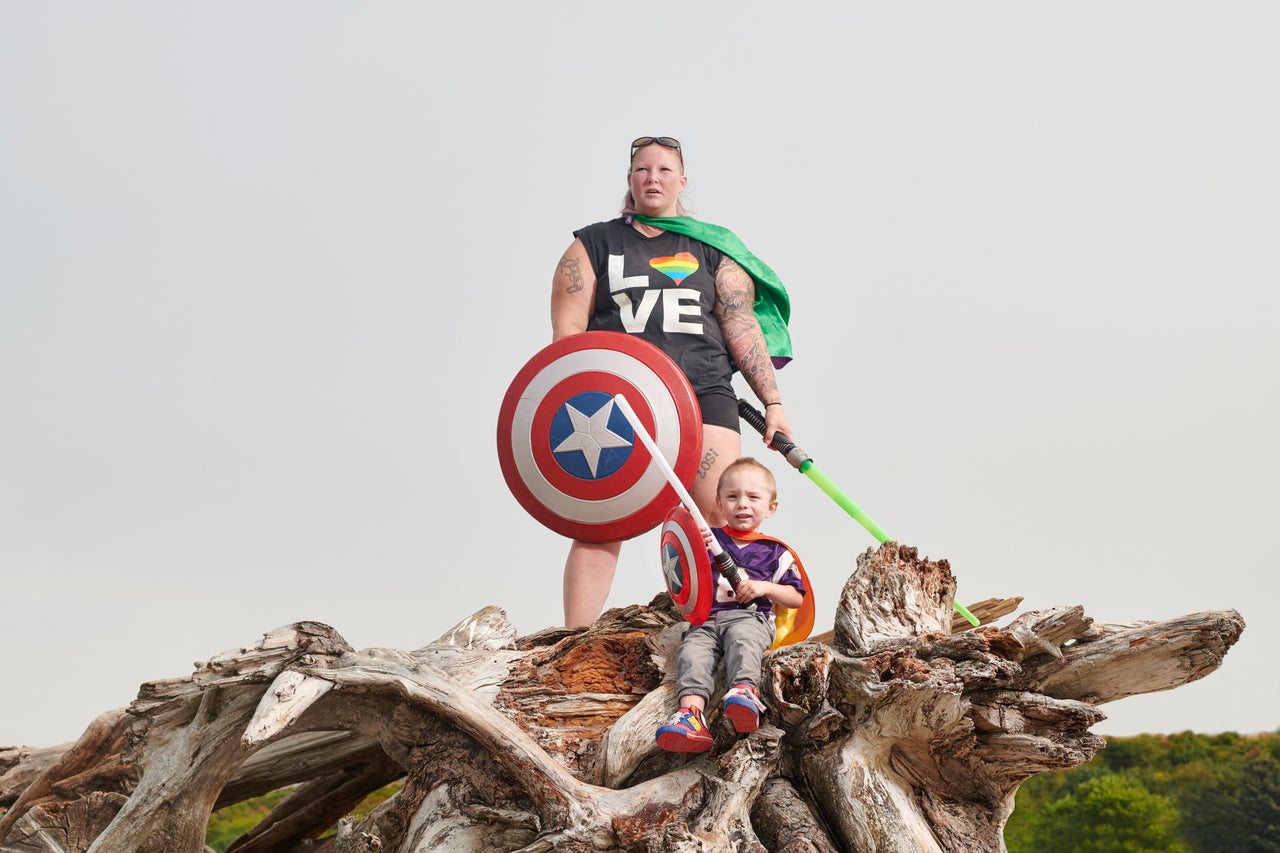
[687,297]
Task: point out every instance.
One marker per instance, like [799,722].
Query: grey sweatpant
[740,636]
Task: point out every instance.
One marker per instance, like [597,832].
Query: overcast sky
[267,270]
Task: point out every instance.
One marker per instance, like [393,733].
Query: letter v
[635,320]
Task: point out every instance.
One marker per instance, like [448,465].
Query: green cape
[772,305]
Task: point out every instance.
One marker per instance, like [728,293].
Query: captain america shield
[686,566]
[570,456]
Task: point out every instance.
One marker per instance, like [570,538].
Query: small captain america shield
[686,566]
[570,456]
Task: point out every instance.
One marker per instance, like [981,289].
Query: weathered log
[64,827]
[91,765]
[900,730]
[785,822]
[20,765]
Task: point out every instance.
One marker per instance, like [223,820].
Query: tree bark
[900,730]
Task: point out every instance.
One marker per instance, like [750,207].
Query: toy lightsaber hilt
[727,568]
[781,442]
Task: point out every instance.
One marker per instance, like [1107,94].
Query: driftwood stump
[897,731]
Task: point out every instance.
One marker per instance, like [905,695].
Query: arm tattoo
[572,271]
[735,296]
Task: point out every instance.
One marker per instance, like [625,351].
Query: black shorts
[719,410]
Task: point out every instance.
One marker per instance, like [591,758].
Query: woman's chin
[650,208]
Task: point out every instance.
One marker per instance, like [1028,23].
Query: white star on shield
[591,434]
[671,568]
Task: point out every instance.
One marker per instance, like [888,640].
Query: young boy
[740,627]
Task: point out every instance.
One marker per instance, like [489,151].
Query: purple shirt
[760,560]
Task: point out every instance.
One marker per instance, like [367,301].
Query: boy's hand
[782,596]
[707,536]
[749,590]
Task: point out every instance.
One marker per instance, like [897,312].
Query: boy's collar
[745,535]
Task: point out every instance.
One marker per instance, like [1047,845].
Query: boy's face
[745,499]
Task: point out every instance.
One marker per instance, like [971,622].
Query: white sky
[266,271]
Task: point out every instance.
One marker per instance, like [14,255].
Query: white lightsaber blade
[652,447]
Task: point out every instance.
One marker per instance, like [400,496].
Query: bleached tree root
[901,730]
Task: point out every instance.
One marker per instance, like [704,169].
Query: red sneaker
[742,706]
[685,732]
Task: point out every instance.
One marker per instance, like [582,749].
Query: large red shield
[572,459]
[686,566]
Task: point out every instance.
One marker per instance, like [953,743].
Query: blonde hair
[751,463]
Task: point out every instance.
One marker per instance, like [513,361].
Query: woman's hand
[775,420]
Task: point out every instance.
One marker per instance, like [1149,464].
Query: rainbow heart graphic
[676,267]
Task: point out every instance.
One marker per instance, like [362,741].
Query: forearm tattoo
[571,269]
[735,296]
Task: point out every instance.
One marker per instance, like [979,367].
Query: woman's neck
[646,230]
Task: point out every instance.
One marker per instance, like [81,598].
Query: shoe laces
[746,691]
[679,717]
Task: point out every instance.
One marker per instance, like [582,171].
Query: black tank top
[663,289]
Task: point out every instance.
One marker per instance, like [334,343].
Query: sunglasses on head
[664,141]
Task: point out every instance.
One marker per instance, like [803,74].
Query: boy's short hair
[753,463]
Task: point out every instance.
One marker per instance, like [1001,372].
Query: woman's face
[656,180]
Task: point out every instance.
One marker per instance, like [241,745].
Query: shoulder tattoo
[571,269]
[734,288]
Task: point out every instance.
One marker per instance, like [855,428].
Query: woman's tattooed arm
[735,296]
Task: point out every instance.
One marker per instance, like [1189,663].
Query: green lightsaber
[802,463]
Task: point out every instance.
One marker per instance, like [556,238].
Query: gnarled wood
[65,827]
[900,730]
[91,765]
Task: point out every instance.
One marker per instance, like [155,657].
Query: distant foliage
[1113,813]
[228,824]
[1260,798]
[1171,793]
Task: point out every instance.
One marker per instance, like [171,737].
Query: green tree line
[1183,793]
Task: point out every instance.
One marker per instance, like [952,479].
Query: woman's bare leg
[588,576]
[589,568]
[720,446]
